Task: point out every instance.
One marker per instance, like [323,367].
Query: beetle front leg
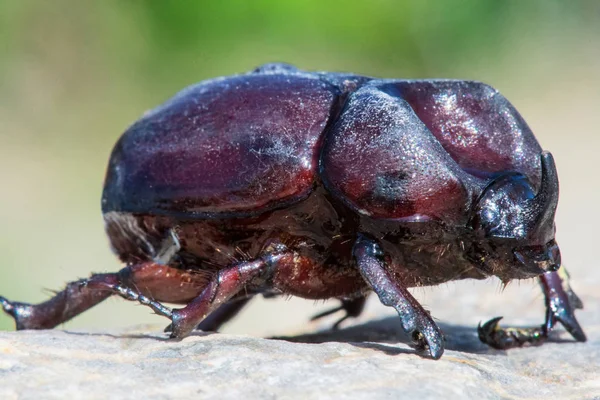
[561,303]
[415,320]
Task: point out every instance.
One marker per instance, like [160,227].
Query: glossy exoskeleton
[324,185]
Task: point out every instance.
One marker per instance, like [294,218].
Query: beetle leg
[220,316]
[148,281]
[352,307]
[222,288]
[561,303]
[226,284]
[73,300]
[127,293]
[415,320]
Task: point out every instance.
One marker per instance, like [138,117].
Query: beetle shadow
[377,334]
[381,335]
[154,333]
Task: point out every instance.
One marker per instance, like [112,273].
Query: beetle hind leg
[127,293]
[415,320]
[145,282]
[561,303]
[218,292]
[70,302]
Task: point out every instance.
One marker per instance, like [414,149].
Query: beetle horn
[545,202]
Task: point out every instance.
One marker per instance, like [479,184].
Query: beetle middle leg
[220,316]
[352,307]
[561,303]
[226,284]
[415,320]
[223,314]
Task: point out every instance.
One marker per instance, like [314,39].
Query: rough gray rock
[369,361]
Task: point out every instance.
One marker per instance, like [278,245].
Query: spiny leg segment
[561,303]
[415,320]
[225,285]
[68,303]
[149,280]
[81,295]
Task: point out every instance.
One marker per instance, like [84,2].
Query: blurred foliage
[87,68]
[165,44]
[74,74]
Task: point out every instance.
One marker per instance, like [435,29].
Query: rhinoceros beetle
[324,185]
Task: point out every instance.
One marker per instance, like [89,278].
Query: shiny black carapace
[324,185]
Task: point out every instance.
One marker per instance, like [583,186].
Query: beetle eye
[491,217]
[489,220]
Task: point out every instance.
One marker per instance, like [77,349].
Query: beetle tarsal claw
[572,326]
[7,306]
[429,339]
[419,342]
[14,309]
[18,311]
[575,301]
[564,314]
[487,330]
[505,338]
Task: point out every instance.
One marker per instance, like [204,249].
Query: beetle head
[514,226]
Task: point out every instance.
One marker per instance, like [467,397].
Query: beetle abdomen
[240,145]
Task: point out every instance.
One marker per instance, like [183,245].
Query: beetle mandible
[324,185]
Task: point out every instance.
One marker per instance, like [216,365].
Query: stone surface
[367,361]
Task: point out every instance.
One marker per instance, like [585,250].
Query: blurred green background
[75,74]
